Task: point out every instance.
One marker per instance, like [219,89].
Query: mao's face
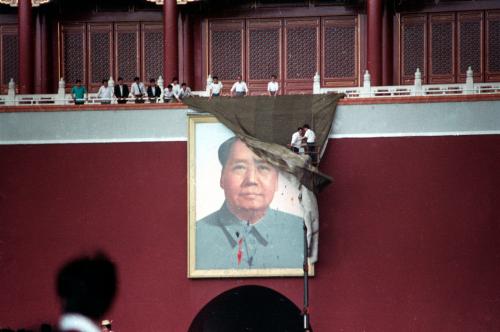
[249,182]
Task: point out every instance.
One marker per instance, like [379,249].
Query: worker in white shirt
[105,93]
[297,139]
[239,88]
[215,87]
[310,137]
[273,87]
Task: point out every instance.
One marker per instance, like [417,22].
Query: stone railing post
[417,86]
[469,82]
[367,85]
[160,84]
[11,93]
[61,92]
[316,84]
[111,84]
[209,82]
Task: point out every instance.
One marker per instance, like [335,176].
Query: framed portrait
[245,218]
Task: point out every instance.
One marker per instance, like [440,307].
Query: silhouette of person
[86,288]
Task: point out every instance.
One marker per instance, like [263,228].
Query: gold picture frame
[205,197]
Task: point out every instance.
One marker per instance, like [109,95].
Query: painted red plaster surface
[409,235]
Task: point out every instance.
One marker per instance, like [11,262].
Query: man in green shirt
[78,93]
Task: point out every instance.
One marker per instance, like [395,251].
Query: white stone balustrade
[365,91]
[417,89]
[61,98]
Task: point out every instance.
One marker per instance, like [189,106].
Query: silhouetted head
[87,285]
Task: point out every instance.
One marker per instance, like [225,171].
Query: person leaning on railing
[185,91]
[273,86]
[153,90]
[138,90]
[78,93]
[215,87]
[239,88]
[121,91]
[168,94]
[105,93]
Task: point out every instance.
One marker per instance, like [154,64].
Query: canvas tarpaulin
[266,124]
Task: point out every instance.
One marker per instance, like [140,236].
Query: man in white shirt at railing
[169,96]
[138,90]
[176,88]
[105,93]
[273,87]
[184,92]
[215,87]
[239,88]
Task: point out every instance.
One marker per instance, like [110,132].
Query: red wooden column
[387,46]
[199,79]
[25,31]
[187,57]
[170,41]
[374,54]
[41,54]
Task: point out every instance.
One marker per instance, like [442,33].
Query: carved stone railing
[62,98]
[417,89]
[365,91]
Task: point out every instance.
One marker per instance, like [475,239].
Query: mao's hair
[225,150]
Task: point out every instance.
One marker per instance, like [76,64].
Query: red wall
[409,236]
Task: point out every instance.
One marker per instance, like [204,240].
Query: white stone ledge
[141,125]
